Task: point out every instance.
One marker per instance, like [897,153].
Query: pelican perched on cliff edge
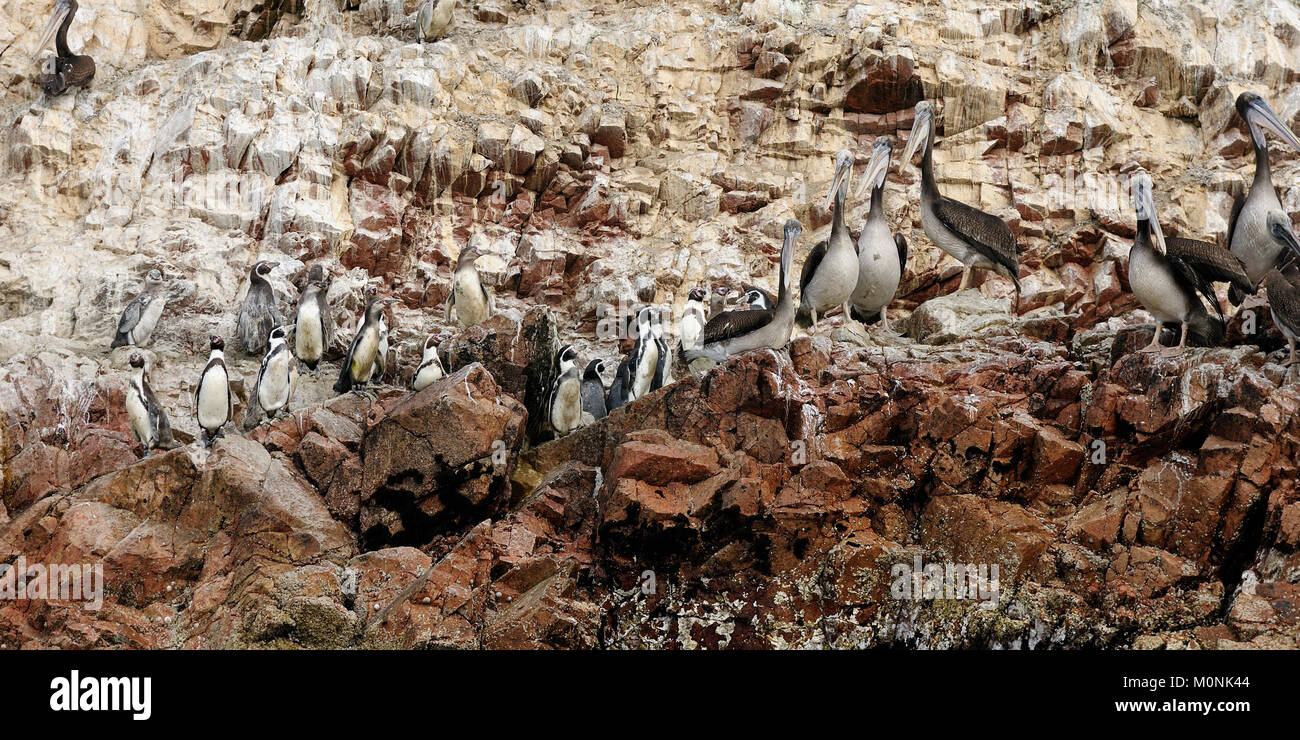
[1248,236]
[67,69]
[975,238]
[1167,274]
[830,271]
[882,255]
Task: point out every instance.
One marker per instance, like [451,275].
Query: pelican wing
[731,324]
[1238,202]
[810,265]
[984,232]
[1283,298]
[901,243]
[1202,263]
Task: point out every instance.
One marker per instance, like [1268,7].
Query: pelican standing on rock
[67,69]
[1248,236]
[141,315]
[1283,283]
[975,238]
[433,18]
[469,297]
[1167,274]
[259,314]
[733,332]
[882,255]
[830,271]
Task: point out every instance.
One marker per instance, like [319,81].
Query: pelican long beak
[56,19]
[877,169]
[1144,203]
[1280,227]
[792,231]
[842,171]
[920,135]
[1262,114]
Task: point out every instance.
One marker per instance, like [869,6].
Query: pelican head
[1279,227]
[1259,116]
[922,128]
[1144,203]
[878,166]
[63,10]
[843,173]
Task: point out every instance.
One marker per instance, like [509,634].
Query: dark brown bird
[66,69]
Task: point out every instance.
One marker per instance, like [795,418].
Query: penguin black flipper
[657,381]
[346,381]
[130,317]
[622,381]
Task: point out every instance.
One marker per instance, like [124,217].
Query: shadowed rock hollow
[611,155]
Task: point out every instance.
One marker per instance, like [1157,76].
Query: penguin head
[280,333]
[754,298]
[696,294]
[568,354]
[154,276]
[137,360]
[263,269]
[594,369]
[216,342]
[643,320]
[323,285]
[467,256]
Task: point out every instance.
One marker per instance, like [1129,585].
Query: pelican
[831,270]
[1167,274]
[1283,283]
[975,238]
[733,332]
[68,69]
[881,254]
[1247,237]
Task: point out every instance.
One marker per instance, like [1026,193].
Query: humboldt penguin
[433,18]
[148,419]
[430,369]
[259,314]
[757,299]
[644,359]
[314,328]
[693,319]
[66,69]
[1167,274]
[1248,236]
[831,270]
[620,389]
[973,237]
[1283,283]
[381,358]
[564,408]
[469,297]
[212,401]
[718,300]
[733,332]
[881,254]
[359,365]
[278,378]
[141,314]
[593,390]
[664,359]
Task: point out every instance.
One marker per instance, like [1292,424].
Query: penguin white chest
[692,327]
[148,320]
[273,390]
[309,339]
[471,307]
[364,354]
[566,408]
[645,370]
[429,373]
[214,400]
[138,414]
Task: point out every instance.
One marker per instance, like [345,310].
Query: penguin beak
[920,134]
[1262,115]
[877,169]
[56,19]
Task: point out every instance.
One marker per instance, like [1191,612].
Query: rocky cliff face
[614,154]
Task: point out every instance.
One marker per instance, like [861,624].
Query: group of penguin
[259,329]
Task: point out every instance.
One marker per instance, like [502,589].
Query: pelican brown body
[65,69]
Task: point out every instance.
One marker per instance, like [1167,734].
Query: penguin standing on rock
[564,408]
[141,315]
[212,402]
[430,370]
[469,297]
[381,359]
[314,329]
[663,362]
[593,390]
[360,364]
[645,356]
[693,319]
[148,419]
[259,315]
[278,378]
